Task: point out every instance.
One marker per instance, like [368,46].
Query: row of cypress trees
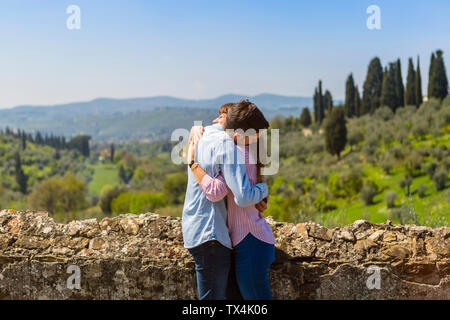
[385,87]
[323,103]
[58,142]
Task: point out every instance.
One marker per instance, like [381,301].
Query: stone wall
[142,257]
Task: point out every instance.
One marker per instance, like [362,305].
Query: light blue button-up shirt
[202,219]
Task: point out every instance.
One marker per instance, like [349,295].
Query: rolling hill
[123,119]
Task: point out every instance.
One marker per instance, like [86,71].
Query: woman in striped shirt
[251,236]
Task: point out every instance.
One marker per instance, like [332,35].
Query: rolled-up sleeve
[215,189]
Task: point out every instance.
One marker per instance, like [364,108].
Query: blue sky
[203,49]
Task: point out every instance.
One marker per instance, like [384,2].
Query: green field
[431,210]
[104,174]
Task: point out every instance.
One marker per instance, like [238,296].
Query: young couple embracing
[223,227]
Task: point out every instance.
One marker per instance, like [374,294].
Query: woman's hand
[196,133]
[262,205]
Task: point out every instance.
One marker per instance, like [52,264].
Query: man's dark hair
[245,115]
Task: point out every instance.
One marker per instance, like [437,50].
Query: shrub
[404,214]
[430,168]
[440,179]
[420,127]
[368,192]
[402,134]
[354,136]
[422,190]
[406,184]
[391,196]
[146,202]
[397,152]
[371,145]
[387,163]
[384,113]
[107,197]
[175,187]
[446,101]
[59,195]
[121,204]
[413,164]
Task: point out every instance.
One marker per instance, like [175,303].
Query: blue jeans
[212,264]
[253,260]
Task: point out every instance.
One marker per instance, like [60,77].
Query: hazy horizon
[156,96]
[202,49]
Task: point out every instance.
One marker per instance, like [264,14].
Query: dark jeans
[212,264]
[253,260]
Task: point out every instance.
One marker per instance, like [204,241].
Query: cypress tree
[431,75]
[319,112]
[336,131]
[21,177]
[305,118]
[350,97]
[418,85]
[122,174]
[321,103]
[24,141]
[372,87]
[357,102]
[388,93]
[112,153]
[328,102]
[410,93]
[316,106]
[439,87]
[399,88]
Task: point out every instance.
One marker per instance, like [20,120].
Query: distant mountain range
[122,119]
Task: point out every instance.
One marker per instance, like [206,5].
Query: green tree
[357,102]
[59,195]
[125,174]
[112,150]
[439,87]
[328,102]
[372,87]
[431,75]
[336,131]
[418,85]
[21,177]
[80,143]
[388,93]
[399,88]
[24,141]
[174,188]
[319,112]
[107,197]
[350,97]
[410,93]
[305,118]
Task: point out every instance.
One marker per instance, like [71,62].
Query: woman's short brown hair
[225,108]
[245,115]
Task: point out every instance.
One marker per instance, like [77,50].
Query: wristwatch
[191,163]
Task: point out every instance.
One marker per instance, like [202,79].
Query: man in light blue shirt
[204,223]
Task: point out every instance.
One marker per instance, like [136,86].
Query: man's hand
[262,205]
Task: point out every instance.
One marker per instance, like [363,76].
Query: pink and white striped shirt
[241,221]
